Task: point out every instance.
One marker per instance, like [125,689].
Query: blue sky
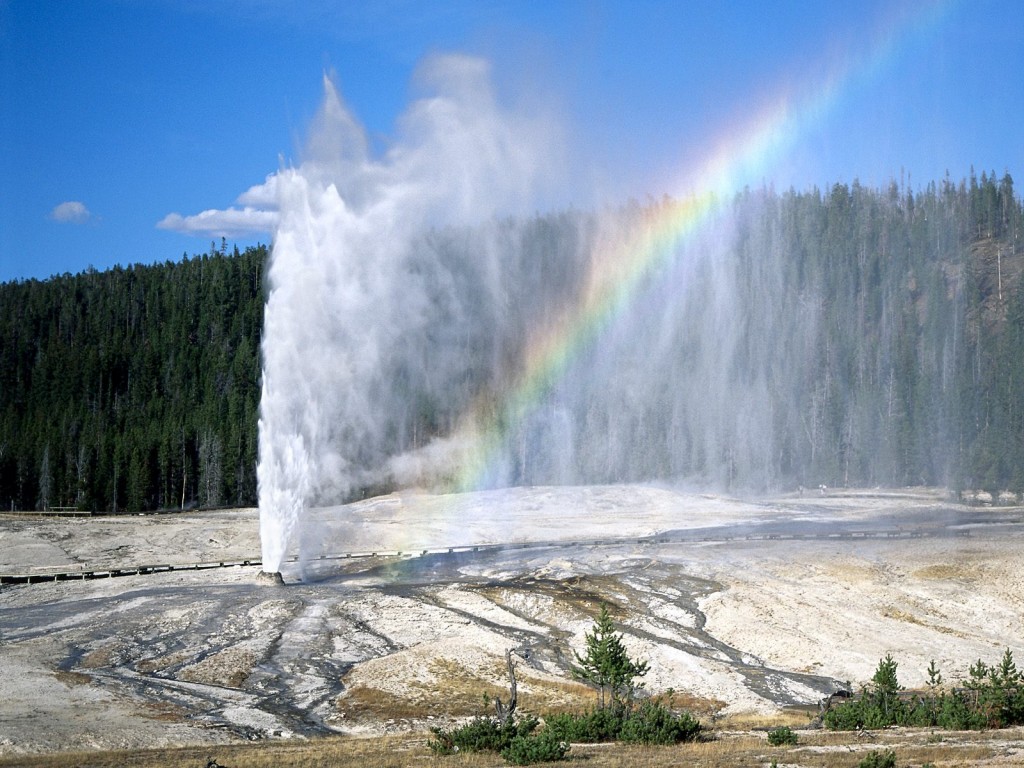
[114,115]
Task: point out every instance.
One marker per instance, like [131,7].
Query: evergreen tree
[45,480]
[606,665]
[885,694]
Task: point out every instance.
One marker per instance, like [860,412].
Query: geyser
[413,337]
[375,332]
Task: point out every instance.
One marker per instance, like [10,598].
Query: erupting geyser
[425,326]
[372,335]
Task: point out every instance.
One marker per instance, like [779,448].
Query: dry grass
[363,702]
[460,692]
[553,695]
[456,691]
[816,749]
[584,594]
[72,678]
[319,753]
[165,711]
[793,717]
[450,691]
[159,663]
[892,612]
[968,572]
[230,668]
[103,656]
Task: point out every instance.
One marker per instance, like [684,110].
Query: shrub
[654,723]
[543,747]
[848,716]
[782,736]
[479,735]
[958,712]
[878,760]
[876,707]
[593,726]
[992,697]
[650,723]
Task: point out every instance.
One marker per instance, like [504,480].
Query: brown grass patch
[699,706]
[361,702]
[101,657]
[148,666]
[454,690]
[458,691]
[164,711]
[72,678]
[586,594]
[851,573]
[816,749]
[542,694]
[751,721]
[949,572]
[892,612]
[228,668]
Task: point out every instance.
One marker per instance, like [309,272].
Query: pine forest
[879,342]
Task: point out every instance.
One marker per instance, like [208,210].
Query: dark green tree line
[132,389]
[862,337]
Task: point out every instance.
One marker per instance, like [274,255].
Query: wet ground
[189,657]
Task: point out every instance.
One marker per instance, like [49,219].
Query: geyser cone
[275,578]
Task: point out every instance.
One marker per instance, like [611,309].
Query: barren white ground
[755,604]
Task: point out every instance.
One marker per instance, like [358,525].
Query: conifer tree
[606,665]
[887,686]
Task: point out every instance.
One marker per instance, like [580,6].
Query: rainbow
[749,152]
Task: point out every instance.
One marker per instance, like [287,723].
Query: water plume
[365,323]
[421,329]
[415,338]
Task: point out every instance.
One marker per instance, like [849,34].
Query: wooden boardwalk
[51,512]
[40,575]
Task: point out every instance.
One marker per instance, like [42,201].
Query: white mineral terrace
[754,603]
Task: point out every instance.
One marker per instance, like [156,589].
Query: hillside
[851,337]
[132,389]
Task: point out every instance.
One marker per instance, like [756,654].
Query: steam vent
[274,578]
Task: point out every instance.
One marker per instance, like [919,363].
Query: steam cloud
[367,326]
[403,313]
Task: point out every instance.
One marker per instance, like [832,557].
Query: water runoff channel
[414,573]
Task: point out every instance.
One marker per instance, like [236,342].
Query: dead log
[507,711]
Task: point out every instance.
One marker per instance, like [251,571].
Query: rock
[274,579]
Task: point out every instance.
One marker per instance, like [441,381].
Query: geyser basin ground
[753,604]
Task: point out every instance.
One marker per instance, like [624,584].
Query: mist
[366,324]
[427,327]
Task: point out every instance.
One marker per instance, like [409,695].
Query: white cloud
[222,223]
[261,195]
[257,215]
[71,212]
